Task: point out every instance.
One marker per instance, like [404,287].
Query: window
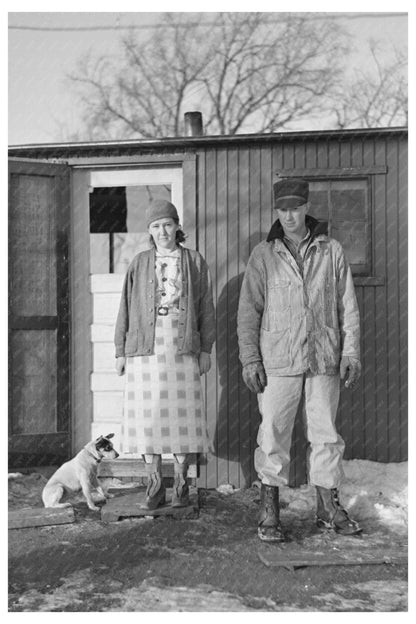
[345,205]
[118,202]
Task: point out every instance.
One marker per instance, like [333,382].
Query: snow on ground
[371,491]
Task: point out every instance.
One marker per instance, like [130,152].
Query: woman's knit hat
[160,209]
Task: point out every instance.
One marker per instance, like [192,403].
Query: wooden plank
[106,382]
[34,381]
[33,244]
[255,236]
[357,422]
[393,312]
[34,517]
[201,238]
[267,212]
[403,294]
[106,283]
[367,384]
[333,172]
[190,200]
[322,155]
[101,332]
[246,425]
[380,319]
[222,439]
[139,159]
[81,399]
[369,281]
[310,154]
[33,322]
[230,369]
[292,561]
[108,406]
[210,211]
[128,506]
[333,155]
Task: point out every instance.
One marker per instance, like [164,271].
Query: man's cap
[290,193]
[160,209]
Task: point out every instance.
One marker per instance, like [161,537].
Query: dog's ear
[98,439]
[109,435]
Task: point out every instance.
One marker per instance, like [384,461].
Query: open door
[39,321]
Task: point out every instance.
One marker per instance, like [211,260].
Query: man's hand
[204,362]
[120,365]
[254,377]
[353,367]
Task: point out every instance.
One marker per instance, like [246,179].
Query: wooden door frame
[52,447]
[81,300]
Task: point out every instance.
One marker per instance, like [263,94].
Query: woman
[164,335]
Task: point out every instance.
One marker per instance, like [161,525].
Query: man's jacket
[135,326]
[295,323]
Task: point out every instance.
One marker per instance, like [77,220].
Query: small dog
[80,473]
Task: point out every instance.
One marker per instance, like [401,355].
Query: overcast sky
[41,107]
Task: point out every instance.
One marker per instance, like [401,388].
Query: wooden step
[128,506]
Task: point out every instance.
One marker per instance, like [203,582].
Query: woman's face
[163,232]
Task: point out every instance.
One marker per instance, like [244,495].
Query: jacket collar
[315,227]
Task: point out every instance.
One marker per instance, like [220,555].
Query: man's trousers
[278,405]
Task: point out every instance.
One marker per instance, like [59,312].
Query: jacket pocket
[277,313]
[196,342]
[132,340]
[275,348]
[330,304]
[332,353]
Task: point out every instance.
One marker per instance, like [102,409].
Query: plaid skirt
[163,402]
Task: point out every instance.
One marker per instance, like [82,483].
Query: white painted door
[118,200]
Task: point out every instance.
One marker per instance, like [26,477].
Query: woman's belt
[164,310]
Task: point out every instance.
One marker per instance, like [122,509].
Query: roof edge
[210,139]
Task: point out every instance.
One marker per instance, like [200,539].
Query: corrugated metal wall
[234,187]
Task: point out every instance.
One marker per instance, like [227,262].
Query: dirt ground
[211,563]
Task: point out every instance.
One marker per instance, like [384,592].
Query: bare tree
[246,72]
[377,96]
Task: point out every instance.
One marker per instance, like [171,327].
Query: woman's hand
[204,363]
[120,365]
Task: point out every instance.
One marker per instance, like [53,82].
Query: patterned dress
[163,402]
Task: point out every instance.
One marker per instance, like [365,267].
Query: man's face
[293,219]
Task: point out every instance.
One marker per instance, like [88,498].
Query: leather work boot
[331,515]
[269,527]
[180,490]
[155,492]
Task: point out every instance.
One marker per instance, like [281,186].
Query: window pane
[32,231]
[118,224]
[318,199]
[33,379]
[344,203]
[353,237]
[349,200]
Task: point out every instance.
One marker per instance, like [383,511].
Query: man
[298,332]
